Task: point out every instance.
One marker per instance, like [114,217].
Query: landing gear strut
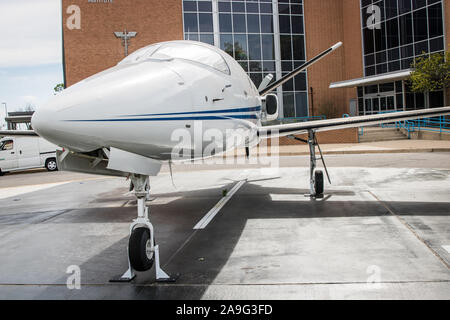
[316,181]
[142,250]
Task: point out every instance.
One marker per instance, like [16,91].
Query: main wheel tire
[51,164]
[141,258]
[318,182]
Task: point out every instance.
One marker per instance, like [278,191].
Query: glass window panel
[288,105]
[254,46]
[301,104]
[399,100]
[406,33]
[204,6]
[407,51]
[391,8]
[369,59]
[224,7]
[253,23]
[239,23]
[286,65]
[283,8]
[296,9]
[436,99]
[381,57]
[240,47]
[298,47]
[268,47]
[371,89]
[297,24]
[421,47]
[286,48]
[398,86]
[256,78]
[375,105]
[300,82]
[368,41]
[285,24]
[390,103]
[266,8]
[370,71]
[368,103]
[380,37]
[289,85]
[238,7]
[404,6]
[419,3]
[420,25]
[206,22]
[394,66]
[406,63]
[190,6]
[244,65]
[255,66]
[191,36]
[252,7]
[226,43]
[190,22]
[392,33]
[225,22]
[269,66]
[207,38]
[420,100]
[437,44]
[386,87]
[435,20]
[394,54]
[266,24]
[410,101]
[382,68]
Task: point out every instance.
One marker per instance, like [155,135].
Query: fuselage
[165,97]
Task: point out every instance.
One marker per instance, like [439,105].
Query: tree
[58,88]
[431,73]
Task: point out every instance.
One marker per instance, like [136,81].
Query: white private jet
[123,121]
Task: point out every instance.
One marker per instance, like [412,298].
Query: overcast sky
[30,52]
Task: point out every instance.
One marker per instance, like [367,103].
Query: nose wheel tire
[51,165]
[139,249]
[318,182]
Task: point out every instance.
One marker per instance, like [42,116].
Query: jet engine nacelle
[269,107]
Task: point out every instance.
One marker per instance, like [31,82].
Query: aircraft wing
[350,122]
[12,133]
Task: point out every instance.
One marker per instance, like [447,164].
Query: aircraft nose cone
[41,122]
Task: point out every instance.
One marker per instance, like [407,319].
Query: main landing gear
[142,250]
[316,180]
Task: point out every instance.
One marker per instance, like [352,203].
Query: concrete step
[381,134]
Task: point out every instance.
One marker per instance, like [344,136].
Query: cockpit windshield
[193,52]
[180,50]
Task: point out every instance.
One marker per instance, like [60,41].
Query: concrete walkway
[398,146]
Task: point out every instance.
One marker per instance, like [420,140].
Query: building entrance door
[381,102]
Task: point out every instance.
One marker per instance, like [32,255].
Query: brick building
[381,39]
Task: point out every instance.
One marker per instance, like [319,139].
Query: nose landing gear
[316,180]
[142,250]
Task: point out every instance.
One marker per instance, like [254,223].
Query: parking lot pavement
[380,232]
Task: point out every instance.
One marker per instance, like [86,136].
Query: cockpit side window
[195,53]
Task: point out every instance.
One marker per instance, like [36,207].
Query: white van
[19,153]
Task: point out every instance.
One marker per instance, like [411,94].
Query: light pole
[6,110]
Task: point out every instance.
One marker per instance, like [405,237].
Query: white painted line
[219,205]
[16,191]
[447,248]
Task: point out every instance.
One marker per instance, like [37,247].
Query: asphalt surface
[380,232]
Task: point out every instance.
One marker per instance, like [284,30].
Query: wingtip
[337,45]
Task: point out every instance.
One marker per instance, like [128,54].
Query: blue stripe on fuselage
[257,108]
[247,116]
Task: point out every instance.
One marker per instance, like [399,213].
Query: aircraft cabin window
[195,53]
[6,145]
